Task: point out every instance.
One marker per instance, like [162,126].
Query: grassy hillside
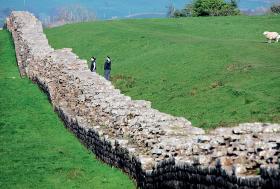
[213,71]
[36,151]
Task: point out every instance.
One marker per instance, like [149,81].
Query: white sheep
[271,36]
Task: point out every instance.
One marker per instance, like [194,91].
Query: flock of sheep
[271,36]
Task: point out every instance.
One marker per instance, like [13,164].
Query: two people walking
[107,66]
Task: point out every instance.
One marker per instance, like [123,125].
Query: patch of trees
[207,8]
[275,8]
[69,14]
[75,13]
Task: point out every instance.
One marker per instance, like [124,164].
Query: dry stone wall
[156,149]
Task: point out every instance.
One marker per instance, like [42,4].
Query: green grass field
[36,151]
[213,71]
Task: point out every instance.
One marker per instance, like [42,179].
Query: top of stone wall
[145,132]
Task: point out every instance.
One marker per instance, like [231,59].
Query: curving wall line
[156,149]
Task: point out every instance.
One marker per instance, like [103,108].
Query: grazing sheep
[271,36]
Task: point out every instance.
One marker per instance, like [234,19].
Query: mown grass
[213,71]
[36,151]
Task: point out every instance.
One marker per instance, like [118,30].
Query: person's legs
[107,74]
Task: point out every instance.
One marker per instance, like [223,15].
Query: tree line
[275,8]
[69,14]
[211,8]
[62,15]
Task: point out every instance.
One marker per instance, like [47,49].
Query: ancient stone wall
[156,149]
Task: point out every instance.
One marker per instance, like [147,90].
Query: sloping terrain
[36,150]
[213,71]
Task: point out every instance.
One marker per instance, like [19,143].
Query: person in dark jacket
[107,68]
[93,64]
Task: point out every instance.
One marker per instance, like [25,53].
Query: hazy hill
[111,8]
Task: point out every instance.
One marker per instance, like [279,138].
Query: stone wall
[156,149]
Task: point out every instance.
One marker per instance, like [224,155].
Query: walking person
[93,64]
[107,68]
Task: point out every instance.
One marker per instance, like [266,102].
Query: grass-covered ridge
[36,151]
[213,71]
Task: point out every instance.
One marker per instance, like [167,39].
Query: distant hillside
[213,71]
[107,9]
[146,15]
